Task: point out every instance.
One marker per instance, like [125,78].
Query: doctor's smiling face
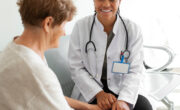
[106,9]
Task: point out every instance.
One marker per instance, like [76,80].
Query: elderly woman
[26,81]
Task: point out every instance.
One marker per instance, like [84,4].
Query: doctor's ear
[47,23]
[119,2]
[118,11]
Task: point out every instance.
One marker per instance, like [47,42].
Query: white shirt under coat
[127,86]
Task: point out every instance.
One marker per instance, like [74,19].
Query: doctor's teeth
[106,10]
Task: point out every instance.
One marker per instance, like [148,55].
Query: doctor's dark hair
[33,12]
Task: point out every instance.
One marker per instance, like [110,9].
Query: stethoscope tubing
[127,36]
[90,35]
[91,42]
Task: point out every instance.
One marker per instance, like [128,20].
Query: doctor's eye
[100,0]
[112,0]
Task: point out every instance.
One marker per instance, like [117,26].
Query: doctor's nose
[106,3]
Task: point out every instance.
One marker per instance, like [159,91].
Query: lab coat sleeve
[86,85]
[129,88]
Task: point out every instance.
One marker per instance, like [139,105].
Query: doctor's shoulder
[132,27]
[130,24]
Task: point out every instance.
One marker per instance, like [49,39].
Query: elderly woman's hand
[120,105]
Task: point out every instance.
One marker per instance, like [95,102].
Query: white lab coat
[125,85]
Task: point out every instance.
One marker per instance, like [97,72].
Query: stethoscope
[124,54]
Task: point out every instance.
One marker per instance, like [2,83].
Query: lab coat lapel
[119,41]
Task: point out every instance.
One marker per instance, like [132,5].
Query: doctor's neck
[107,23]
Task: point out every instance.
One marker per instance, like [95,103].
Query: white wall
[84,8]
[10,22]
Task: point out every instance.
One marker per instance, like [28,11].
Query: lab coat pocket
[116,75]
[116,79]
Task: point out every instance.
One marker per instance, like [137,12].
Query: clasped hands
[107,101]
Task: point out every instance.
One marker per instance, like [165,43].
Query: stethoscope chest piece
[125,54]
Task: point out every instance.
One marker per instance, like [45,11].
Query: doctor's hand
[105,100]
[120,105]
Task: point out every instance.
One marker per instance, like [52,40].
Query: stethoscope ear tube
[127,36]
[90,36]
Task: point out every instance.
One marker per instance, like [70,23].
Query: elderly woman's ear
[47,23]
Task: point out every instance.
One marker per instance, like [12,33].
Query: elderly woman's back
[26,82]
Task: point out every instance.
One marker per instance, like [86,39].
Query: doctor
[106,59]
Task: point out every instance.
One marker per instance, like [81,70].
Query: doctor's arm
[86,85]
[129,88]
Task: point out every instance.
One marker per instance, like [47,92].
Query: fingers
[114,107]
[118,107]
[114,98]
[121,105]
[104,105]
[107,103]
[97,108]
[100,105]
[105,100]
[111,100]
